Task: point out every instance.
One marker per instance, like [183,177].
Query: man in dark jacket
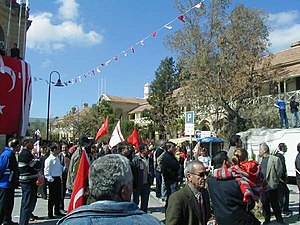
[294,110]
[170,167]
[190,205]
[227,198]
[143,175]
[158,177]
[28,174]
[283,190]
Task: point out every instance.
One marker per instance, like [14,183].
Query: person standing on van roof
[280,104]
[294,110]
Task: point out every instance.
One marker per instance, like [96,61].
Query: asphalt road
[156,208]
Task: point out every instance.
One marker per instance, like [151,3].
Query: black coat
[227,200]
[170,167]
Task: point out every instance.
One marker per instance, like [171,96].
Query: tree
[223,52]
[165,111]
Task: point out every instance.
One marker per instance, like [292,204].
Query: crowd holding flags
[78,196]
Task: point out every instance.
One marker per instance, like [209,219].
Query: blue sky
[75,37]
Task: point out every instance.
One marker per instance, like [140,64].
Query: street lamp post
[58,84]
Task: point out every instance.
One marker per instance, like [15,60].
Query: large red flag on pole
[80,183]
[134,138]
[102,130]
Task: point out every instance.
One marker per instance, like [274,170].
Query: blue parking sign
[189,117]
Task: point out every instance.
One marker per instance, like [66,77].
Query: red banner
[15,95]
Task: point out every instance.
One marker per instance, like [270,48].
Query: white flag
[116,137]
[36,147]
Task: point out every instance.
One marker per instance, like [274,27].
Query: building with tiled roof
[289,83]
[122,105]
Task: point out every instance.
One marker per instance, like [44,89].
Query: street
[156,208]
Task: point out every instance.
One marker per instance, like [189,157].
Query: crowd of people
[196,188]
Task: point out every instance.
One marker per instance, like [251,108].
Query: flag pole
[20,20]
[25,28]
[8,25]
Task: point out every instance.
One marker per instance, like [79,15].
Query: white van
[291,137]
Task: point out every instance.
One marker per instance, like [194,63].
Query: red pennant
[132,49]
[154,34]
[80,184]
[102,130]
[181,17]
[116,58]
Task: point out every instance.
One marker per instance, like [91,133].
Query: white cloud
[46,36]
[46,63]
[284,18]
[68,10]
[285,29]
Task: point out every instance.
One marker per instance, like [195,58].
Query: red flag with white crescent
[78,197]
[15,95]
[102,130]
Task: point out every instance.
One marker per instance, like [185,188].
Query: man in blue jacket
[8,181]
[281,105]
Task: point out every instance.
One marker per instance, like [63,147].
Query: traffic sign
[198,134]
[189,117]
[189,123]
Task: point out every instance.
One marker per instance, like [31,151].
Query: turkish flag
[15,95]
[134,138]
[80,184]
[102,130]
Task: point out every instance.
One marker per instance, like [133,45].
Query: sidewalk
[156,208]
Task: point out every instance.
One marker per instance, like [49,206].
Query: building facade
[14,24]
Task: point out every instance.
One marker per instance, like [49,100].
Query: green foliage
[34,125]
[165,111]
[221,51]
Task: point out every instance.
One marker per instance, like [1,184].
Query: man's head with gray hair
[110,178]
[264,149]
[196,174]
[190,167]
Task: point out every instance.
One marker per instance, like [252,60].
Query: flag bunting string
[124,53]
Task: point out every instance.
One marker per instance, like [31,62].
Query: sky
[74,37]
